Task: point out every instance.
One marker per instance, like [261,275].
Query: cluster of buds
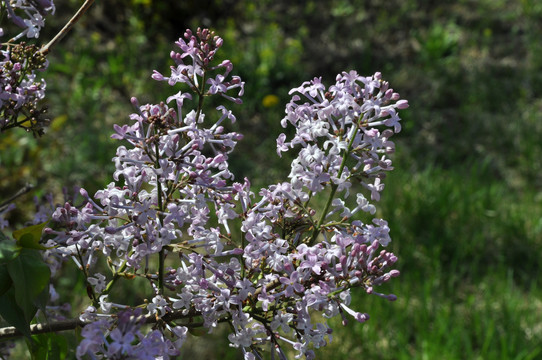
[212,250]
[20,88]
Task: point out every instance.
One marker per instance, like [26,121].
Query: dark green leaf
[12,313]
[30,276]
[5,279]
[42,299]
[29,237]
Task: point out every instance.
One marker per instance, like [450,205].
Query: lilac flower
[217,85]
[120,343]
[282,320]
[181,334]
[312,259]
[266,299]
[281,146]
[245,287]
[158,306]
[34,10]
[93,338]
[292,283]
[363,204]
[243,337]
[98,281]
[375,189]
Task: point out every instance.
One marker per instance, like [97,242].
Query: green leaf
[30,276]
[5,279]
[8,251]
[42,299]
[48,346]
[30,236]
[12,313]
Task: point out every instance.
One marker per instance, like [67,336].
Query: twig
[68,26]
[71,324]
[26,188]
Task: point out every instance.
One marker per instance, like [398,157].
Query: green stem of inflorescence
[92,294]
[161,254]
[116,276]
[334,188]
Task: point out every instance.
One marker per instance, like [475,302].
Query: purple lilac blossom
[20,88]
[27,15]
[121,337]
[174,194]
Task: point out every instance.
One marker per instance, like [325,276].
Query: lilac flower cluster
[27,15]
[120,337]
[20,88]
[212,250]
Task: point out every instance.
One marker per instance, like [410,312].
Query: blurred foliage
[464,202]
[469,68]
[468,289]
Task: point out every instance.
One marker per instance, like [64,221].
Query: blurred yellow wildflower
[270,100]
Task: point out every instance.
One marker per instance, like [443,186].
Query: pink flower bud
[134,102]
[157,76]
[83,193]
[402,104]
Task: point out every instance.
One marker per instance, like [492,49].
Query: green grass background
[464,202]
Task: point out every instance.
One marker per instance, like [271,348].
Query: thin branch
[66,29]
[26,188]
[72,324]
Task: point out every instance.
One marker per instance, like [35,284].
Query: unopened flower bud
[134,102]
[395,273]
[402,104]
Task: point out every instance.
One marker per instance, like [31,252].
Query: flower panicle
[173,194]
